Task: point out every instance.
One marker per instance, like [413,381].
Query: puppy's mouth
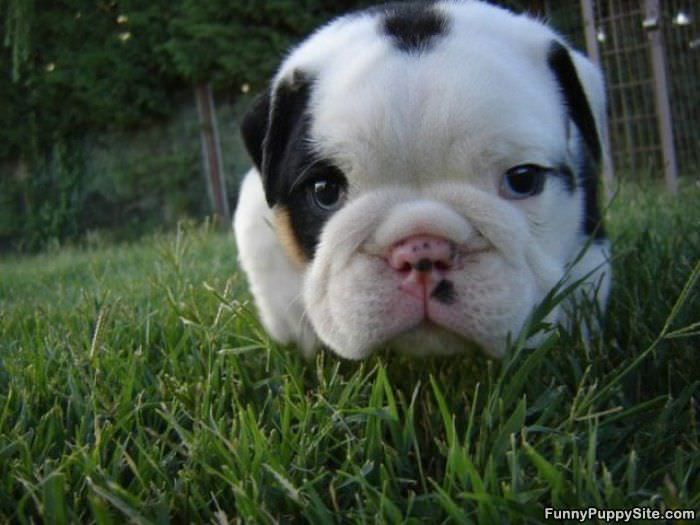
[430,338]
[429,289]
[426,270]
[435,297]
[435,285]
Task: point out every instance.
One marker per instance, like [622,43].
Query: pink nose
[422,253]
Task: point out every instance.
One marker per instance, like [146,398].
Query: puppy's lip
[429,326]
[462,254]
[476,250]
[474,246]
[467,250]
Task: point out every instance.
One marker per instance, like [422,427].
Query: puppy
[424,174]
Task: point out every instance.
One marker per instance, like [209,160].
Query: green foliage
[49,202]
[55,193]
[84,69]
[92,70]
[169,184]
[92,66]
[81,76]
[137,384]
[231,43]
[18,17]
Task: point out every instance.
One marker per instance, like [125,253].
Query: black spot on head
[276,134]
[413,26]
[579,111]
[444,292]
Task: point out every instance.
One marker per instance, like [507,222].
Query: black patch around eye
[413,26]
[288,162]
[306,218]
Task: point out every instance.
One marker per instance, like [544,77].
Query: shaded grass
[137,384]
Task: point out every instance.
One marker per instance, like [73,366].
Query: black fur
[588,177]
[306,218]
[277,140]
[575,99]
[580,113]
[413,26]
[444,292]
[566,175]
[284,148]
[254,127]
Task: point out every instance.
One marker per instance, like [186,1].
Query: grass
[136,384]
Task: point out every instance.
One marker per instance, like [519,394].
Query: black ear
[254,128]
[275,132]
[577,105]
[579,111]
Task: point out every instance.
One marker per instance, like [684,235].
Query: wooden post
[652,24]
[211,153]
[591,33]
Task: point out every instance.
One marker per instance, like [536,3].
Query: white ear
[274,280]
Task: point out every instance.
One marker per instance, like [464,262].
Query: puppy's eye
[523,181]
[327,193]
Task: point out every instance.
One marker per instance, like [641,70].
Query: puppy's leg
[274,280]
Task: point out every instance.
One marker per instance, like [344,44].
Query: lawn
[136,384]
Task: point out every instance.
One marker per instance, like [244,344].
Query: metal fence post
[652,24]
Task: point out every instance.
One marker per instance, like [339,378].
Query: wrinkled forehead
[476,91]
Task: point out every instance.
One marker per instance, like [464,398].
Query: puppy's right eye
[523,181]
[327,194]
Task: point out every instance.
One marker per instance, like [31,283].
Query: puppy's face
[429,169]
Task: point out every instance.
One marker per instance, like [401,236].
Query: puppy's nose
[423,254]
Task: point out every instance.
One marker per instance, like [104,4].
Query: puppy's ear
[583,92]
[582,89]
[254,128]
[275,132]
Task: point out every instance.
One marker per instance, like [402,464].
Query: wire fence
[641,53]
[683,45]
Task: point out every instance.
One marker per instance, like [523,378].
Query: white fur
[424,141]
[274,281]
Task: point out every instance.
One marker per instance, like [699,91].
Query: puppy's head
[431,167]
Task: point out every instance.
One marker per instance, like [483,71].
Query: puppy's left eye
[523,181]
[327,193]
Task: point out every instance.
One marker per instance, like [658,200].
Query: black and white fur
[417,111]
